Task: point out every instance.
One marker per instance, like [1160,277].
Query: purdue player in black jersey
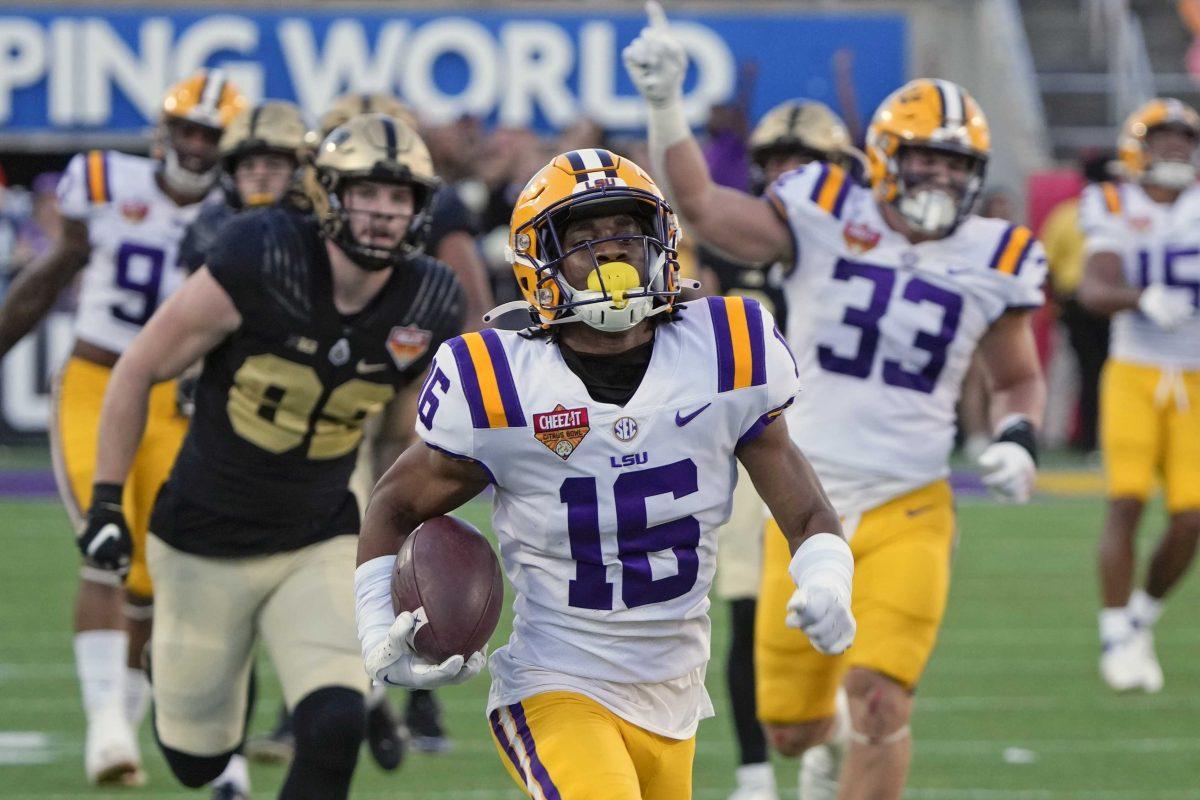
[308,325]
[790,135]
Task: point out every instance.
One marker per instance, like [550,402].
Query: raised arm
[745,227]
[36,286]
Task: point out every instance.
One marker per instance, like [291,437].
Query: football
[447,574]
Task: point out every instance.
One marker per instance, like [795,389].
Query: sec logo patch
[625,429]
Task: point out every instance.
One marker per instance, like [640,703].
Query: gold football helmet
[587,183]
[804,126]
[374,147]
[934,115]
[275,126]
[207,99]
[1133,156]
[354,103]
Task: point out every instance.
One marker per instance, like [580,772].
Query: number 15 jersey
[884,331]
[606,514]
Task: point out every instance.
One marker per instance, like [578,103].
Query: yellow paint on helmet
[1131,143]
[206,98]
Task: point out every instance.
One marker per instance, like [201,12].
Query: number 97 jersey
[884,331]
[606,514]
[134,231]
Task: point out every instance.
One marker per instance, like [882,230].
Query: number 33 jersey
[606,514]
[884,331]
[134,231]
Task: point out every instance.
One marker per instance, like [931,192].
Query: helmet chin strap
[185,181]
[930,211]
[1170,174]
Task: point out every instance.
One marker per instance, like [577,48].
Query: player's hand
[105,541]
[1009,471]
[656,61]
[393,661]
[823,570]
[1168,307]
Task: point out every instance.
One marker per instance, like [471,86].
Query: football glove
[105,541]
[1010,462]
[656,61]
[823,570]
[393,661]
[1168,307]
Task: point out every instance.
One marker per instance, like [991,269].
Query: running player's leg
[1130,440]
[308,627]
[564,746]
[101,641]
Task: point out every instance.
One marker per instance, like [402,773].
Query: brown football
[448,568]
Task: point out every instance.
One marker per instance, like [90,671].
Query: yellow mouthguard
[619,277]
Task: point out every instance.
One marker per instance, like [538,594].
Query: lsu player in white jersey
[124,217]
[1143,268]
[610,431]
[892,290]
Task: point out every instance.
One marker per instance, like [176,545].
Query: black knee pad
[194,771]
[329,725]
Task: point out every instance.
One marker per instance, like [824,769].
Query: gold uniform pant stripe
[564,746]
[902,553]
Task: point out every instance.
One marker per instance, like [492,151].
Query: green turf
[1015,669]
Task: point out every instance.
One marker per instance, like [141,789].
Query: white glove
[1168,307]
[656,61]
[394,662]
[823,570]
[1009,471]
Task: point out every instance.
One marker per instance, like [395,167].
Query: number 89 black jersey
[281,403]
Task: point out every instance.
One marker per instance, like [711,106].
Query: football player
[123,217]
[308,325]
[610,431]
[891,290]
[1143,268]
[789,136]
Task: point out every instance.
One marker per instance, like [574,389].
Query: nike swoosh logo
[681,420]
[363,367]
[960,270]
[912,512]
[109,531]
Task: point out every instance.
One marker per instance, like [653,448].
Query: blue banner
[84,71]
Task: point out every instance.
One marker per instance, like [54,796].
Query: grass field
[1011,708]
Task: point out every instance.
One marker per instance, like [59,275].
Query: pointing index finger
[658,17]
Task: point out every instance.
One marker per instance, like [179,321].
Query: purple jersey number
[1170,277]
[916,291]
[427,404]
[144,281]
[635,541]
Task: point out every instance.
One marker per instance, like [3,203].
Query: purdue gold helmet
[207,99]
[1133,156]
[372,147]
[354,103]
[935,115]
[806,127]
[588,183]
[274,126]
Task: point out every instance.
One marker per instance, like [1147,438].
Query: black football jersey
[280,404]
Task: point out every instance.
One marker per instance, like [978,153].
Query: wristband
[668,123]
[1018,429]
[373,610]
[108,494]
[823,553]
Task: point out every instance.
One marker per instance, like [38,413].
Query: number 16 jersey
[606,514]
[884,331]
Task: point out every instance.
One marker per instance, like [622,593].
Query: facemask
[1170,174]
[619,312]
[183,180]
[930,211]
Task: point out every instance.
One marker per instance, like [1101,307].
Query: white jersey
[884,331]
[1157,243]
[606,514]
[134,231]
